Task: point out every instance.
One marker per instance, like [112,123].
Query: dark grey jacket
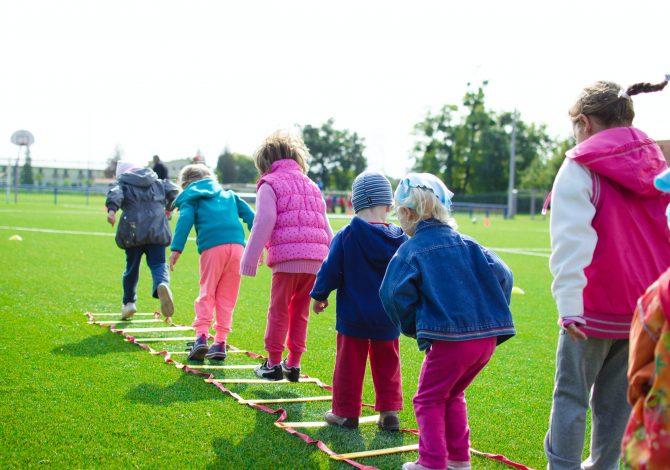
[143,199]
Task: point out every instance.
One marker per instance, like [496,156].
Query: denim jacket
[442,285]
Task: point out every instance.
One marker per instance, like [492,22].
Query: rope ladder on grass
[259,404]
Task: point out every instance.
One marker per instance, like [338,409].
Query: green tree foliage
[336,155]
[235,168]
[27,170]
[542,171]
[110,170]
[469,147]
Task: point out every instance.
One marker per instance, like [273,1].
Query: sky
[171,77]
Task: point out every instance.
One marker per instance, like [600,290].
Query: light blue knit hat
[371,189]
[424,181]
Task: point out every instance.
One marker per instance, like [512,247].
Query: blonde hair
[609,103]
[195,172]
[425,205]
[281,145]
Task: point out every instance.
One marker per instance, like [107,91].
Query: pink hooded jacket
[633,246]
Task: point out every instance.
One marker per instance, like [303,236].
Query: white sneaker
[128,310]
[165,296]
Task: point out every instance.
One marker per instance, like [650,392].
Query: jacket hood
[142,177]
[202,189]
[378,242]
[625,155]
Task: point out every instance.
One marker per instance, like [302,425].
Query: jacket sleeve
[400,295]
[573,238]
[330,274]
[266,216]
[245,212]
[114,197]
[501,271]
[171,193]
[183,228]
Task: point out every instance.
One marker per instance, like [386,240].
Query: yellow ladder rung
[174,338]
[323,424]
[126,322]
[285,400]
[376,452]
[230,367]
[157,330]
[118,314]
[261,381]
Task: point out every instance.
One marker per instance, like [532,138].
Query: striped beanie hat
[371,189]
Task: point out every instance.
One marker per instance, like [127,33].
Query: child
[355,266]
[291,221]
[646,440]
[220,240]
[452,295]
[143,230]
[609,242]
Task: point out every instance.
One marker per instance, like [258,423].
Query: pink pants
[439,404]
[219,287]
[288,316]
[352,356]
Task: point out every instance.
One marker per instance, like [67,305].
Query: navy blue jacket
[355,266]
[442,285]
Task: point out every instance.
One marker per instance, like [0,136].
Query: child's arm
[329,276]
[264,223]
[573,238]
[183,228]
[501,271]
[113,202]
[171,193]
[245,212]
[400,296]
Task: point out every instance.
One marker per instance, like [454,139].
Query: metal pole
[511,212]
[9,181]
[16,177]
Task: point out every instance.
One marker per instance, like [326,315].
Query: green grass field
[77,395]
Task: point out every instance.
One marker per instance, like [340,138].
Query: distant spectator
[160,169]
[319,183]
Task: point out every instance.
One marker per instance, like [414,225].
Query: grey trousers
[597,367]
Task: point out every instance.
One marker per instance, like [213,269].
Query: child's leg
[211,267]
[577,365]
[159,269]
[441,380]
[227,290]
[609,408]
[131,274]
[277,326]
[385,367]
[298,318]
[350,360]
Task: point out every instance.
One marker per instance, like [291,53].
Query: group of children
[440,287]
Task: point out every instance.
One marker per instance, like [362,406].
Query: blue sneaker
[217,351]
[198,349]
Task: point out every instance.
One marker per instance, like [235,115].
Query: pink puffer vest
[300,230]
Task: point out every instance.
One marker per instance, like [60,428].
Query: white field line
[515,251]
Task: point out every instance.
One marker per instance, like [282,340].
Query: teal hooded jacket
[214,212]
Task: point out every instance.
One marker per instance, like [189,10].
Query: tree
[336,155]
[27,170]
[542,171]
[235,168]
[470,149]
[110,170]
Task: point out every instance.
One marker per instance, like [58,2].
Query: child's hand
[174,256]
[319,305]
[575,333]
[260,260]
[111,217]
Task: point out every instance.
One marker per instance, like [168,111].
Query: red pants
[288,314]
[352,355]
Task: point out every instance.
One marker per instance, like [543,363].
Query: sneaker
[165,296]
[264,371]
[414,466]
[457,465]
[217,351]
[388,421]
[332,418]
[291,374]
[128,310]
[199,349]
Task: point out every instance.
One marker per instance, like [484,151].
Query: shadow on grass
[98,345]
[185,389]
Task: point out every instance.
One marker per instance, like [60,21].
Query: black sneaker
[198,349]
[217,351]
[291,374]
[264,371]
[388,421]
[332,418]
